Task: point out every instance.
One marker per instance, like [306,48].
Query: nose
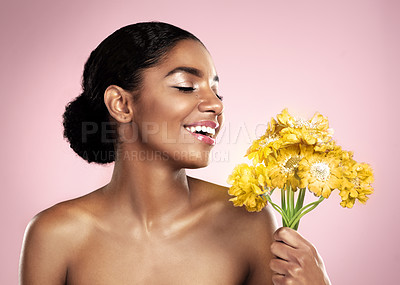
[209,102]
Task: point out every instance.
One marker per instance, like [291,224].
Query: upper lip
[210,124]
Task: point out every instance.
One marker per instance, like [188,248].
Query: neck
[149,187]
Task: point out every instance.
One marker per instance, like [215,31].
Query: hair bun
[84,128]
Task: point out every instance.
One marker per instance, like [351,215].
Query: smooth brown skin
[152,224]
[298,261]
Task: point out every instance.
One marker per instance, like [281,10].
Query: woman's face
[179,112]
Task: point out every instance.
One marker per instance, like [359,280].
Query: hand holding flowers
[297,261]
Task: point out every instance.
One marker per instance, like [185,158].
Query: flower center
[356,182]
[300,122]
[320,170]
[290,164]
[268,140]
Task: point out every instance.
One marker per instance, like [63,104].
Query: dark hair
[118,60]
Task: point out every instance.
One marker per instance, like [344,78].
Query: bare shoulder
[51,239]
[63,220]
[249,232]
[218,194]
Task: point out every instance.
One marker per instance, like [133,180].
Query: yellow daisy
[266,145]
[344,155]
[288,130]
[320,174]
[285,119]
[248,185]
[313,131]
[358,178]
[282,168]
[306,134]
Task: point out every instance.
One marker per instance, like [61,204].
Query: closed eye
[185,89]
[191,89]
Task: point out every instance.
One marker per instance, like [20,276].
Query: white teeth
[204,129]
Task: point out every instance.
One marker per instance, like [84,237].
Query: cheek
[180,106]
[169,106]
[161,120]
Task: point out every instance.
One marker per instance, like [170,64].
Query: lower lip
[203,138]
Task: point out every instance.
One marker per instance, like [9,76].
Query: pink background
[338,57]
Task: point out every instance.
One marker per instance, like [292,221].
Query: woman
[150,103]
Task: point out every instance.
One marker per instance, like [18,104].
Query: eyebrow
[191,70]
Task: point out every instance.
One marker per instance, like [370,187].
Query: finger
[283,251]
[290,237]
[278,266]
[281,280]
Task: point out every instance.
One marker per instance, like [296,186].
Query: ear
[119,103]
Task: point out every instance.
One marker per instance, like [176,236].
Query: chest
[197,258]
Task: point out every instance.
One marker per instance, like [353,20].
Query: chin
[192,160]
[196,165]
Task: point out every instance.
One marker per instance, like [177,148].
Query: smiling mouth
[202,132]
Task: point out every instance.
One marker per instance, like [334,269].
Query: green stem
[285,219]
[300,214]
[291,201]
[299,204]
[278,209]
[284,208]
[300,199]
[271,191]
[283,200]
[287,201]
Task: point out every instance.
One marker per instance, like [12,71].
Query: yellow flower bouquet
[295,155]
